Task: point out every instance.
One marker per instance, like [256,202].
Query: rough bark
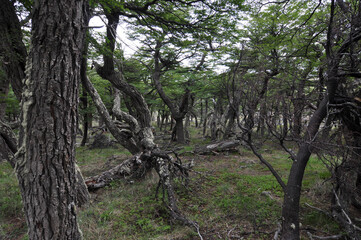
[46,165]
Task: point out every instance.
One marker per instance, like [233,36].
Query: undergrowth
[228,195]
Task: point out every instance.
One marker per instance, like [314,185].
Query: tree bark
[4,90]
[215,121]
[84,101]
[291,202]
[46,166]
[178,131]
[142,114]
[8,143]
[123,137]
[84,98]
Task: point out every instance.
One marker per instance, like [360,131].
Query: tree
[338,45]
[45,164]
[342,42]
[12,51]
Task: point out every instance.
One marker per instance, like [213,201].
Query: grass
[228,195]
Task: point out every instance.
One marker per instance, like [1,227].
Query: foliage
[12,105]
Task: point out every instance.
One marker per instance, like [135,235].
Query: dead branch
[227,145]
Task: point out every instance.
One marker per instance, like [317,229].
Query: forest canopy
[168,82]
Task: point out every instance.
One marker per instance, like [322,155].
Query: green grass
[12,223]
[226,192]
[10,200]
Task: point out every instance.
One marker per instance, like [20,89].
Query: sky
[129,47]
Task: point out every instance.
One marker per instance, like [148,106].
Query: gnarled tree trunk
[46,165]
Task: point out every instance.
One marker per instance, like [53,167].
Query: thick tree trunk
[46,171]
[178,131]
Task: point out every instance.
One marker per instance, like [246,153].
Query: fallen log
[123,170]
[227,145]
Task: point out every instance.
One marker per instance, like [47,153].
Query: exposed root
[137,166]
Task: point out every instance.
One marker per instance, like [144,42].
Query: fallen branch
[344,219]
[319,209]
[228,145]
[278,231]
[311,236]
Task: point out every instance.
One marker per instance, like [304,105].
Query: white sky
[128,46]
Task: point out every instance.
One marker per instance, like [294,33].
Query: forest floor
[230,196]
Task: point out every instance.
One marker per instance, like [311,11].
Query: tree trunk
[178,131]
[201,117]
[217,113]
[84,101]
[284,118]
[230,117]
[12,54]
[205,118]
[12,49]
[297,117]
[85,122]
[46,171]
[4,90]
[8,143]
[291,202]
[262,118]
[123,137]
